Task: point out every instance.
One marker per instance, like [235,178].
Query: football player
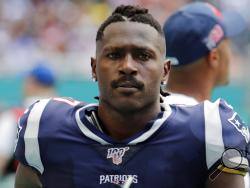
[128,139]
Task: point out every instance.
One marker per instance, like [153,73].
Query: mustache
[127,80]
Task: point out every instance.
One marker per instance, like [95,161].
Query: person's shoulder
[218,119]
[54,105]
[50,110]
[42,123]
[68,101]
[229,118]
[44,113]
[224,129]
[179,99]
[185,110]
[181,104]
[219,127]
[221,116]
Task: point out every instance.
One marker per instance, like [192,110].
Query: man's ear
[93,68]
[213,58]
[166,69]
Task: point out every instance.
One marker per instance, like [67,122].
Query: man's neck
[120,125]
[196,80]
[196,85]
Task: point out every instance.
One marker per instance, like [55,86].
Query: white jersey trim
[157,124]
[213,133]
[32,154]
[85,130]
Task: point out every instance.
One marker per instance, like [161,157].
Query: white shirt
[176,98]
[8,132]
[8,129]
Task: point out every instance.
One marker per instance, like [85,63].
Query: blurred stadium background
[61,33]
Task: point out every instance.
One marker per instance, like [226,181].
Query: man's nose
[128,66]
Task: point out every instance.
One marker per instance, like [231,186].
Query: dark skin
[129,67]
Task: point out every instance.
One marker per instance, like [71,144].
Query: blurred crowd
[58,32]
[62,32]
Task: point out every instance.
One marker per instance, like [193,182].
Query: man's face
[129,66]
[225,57]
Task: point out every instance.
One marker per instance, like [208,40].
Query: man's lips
[127,85]
[127,82]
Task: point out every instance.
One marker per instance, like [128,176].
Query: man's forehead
[131,33]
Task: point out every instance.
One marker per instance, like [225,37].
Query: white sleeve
[8,130]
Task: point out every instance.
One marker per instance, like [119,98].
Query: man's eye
[143,56]
[113,55]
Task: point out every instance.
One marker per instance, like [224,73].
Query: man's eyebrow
[139,47]
[144,48]
[112,48]
[129,47]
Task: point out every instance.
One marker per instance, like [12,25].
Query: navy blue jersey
[180,148]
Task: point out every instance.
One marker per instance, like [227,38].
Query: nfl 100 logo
[116,154]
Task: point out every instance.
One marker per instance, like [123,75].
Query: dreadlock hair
[132,14]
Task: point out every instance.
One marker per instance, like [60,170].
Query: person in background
[198,45]
[38,83]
